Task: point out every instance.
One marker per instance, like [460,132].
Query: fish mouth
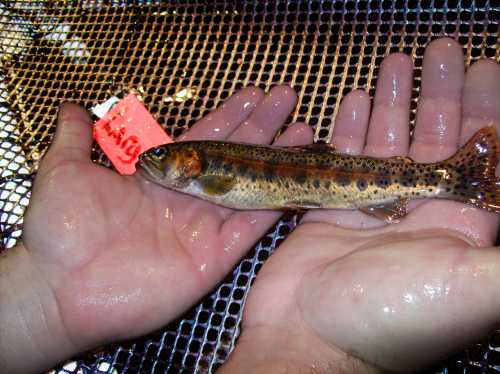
[150,168]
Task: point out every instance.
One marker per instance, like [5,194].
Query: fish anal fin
[301,205]
[216,185]
[391,212]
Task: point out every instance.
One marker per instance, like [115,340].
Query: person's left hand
[114,257]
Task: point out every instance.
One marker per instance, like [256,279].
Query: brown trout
[245,176]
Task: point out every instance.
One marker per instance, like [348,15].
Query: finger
[387,135]
[349,132]
[248,226]
[222,122]
[480,95]
[297,134]
[388,132]
[481,98]
[438,116]
[73,137]
[267,118]
[348,137]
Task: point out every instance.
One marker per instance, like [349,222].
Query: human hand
[396,297]
[117,256]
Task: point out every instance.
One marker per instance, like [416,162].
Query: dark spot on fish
[361,184]
[228,168]
[316,183]
[253,176]
[242,169]
[300,178]
[203,161]
[217,163]
[342,180]
[269,174]
[382,182]
[432,178]
[407,181]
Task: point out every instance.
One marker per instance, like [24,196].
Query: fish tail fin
[475,164]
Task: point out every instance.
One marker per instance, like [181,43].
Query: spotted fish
[244,176]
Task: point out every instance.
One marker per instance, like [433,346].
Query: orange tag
[126,131]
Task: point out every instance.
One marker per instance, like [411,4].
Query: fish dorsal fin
[216,185]
[390,212]
[404,159]
[317,147]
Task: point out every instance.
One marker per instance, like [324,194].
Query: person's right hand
[397,296]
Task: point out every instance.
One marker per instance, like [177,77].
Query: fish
[258,177]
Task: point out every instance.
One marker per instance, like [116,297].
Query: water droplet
[168,214]
[195,234]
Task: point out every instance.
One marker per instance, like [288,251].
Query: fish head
[173,165]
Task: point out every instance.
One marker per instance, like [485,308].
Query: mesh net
[184,58]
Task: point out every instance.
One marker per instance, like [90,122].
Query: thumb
[402,313]
[73,138]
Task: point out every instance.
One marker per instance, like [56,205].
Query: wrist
[30,324]
[289,350]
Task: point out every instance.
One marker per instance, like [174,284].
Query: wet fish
[244,176]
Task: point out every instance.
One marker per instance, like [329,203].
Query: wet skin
[103,251]
[401,296]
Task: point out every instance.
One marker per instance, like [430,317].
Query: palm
[114,248]
[382,293]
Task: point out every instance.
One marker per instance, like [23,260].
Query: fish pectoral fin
[298,205]
[216,185]
[390,212]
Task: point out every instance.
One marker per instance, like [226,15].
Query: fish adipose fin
[475,164]
[390,212]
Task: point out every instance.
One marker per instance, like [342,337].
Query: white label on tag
[100,110]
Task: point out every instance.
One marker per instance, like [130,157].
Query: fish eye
[157,151]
